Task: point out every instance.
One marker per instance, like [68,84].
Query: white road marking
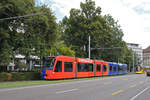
[133,98]
[66,91]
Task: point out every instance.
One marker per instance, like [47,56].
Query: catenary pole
[133,61]
[89,47]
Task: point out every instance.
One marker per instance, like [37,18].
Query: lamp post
[89,47]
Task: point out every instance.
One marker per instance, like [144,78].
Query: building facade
[138,52]
[146,56]
[33,62]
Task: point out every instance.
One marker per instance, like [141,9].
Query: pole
[133,61]
[118,60]
[129,67]
[89,47]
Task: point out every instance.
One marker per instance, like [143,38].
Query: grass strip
[42,82]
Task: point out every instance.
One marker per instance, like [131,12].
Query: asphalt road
[128,87]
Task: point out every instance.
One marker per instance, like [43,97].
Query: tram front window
[48,63]
[138,68]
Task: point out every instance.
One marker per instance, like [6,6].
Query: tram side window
[68,66]
[85,67]
[124,68]
[82,67]
[110,68]
[58,67]
[120,68]
[98,68]
[104,68]
[90,67]
[115,68]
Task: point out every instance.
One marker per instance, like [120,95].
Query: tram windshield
[138,68]
[48,63]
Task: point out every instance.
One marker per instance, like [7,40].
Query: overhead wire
[24,16]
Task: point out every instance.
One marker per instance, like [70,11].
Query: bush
[3,76]
[19,76]
[32,76]
[9,76]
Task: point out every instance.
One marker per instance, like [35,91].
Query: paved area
[128,87]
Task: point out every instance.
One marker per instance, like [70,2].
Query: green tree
[82,23]
[41,32]
[105,32]
[115,40]
[60,49]
[29,35]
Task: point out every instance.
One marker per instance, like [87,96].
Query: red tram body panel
[105,68]
[98,68]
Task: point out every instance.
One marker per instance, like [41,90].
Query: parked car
[148,73]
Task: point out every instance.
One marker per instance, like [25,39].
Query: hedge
[19,76]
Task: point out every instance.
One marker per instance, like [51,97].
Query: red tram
[60,67]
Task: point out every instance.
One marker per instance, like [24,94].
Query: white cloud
[128,19]
[65,5]
[146,7]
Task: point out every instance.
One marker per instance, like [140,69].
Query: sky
[132,15]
